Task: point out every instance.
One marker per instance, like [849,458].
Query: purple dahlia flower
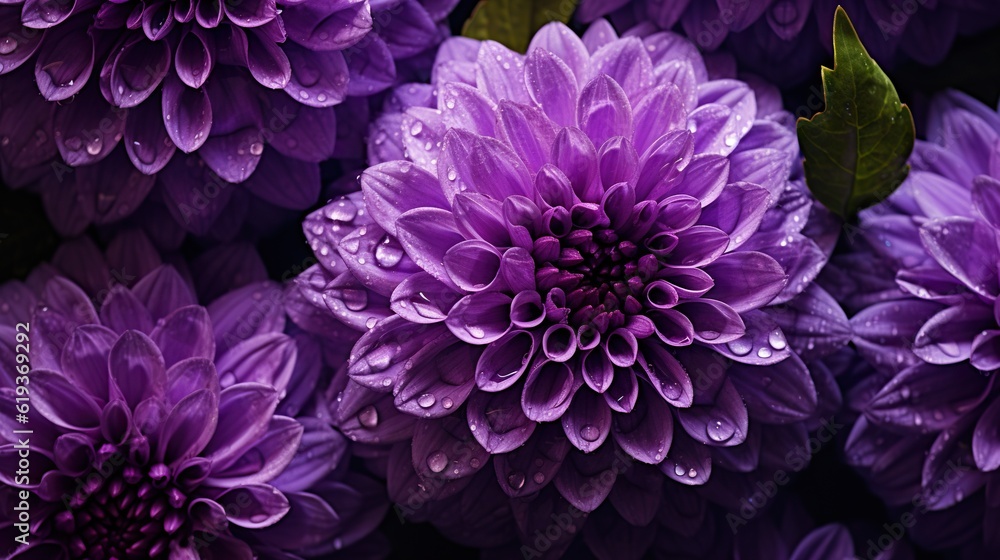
[590,253]
[778,38]
[928,437]
[163,429]
[246,88]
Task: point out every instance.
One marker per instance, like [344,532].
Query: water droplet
[905,392]
[709,335]
[368,417]
[388,253]
[437,461]
[692,473]
[730,140]
[539,478]
[417,128]
[678,469]
[371,322]
[227,379]
[590,433]
[764,352]
[720,430]
[777,340]
[353,299]
[256,148]
[94,145]
[476,331]
[516,480]
[426,400]
[452,175]
[950,348]
[386,382]
[7,45]
[447,403]
[741,346]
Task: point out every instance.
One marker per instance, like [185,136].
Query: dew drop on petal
[516,480]
[426,400]
[437,461]
[590,433]
[368,417]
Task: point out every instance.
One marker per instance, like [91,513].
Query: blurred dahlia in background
[926,321]
[216,112]
[786,40]
[165,429]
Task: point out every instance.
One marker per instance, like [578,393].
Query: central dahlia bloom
[569,268]
[932,333]
[164,429]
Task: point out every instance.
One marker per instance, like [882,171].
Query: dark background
[829,489]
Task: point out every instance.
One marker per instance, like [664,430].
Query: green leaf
[514,22]
[856,149]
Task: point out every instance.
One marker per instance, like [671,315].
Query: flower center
[123,512]
[601,276]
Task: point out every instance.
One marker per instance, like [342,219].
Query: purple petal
[667,376]
[63,404]
[723,423]
[660,110]
[497,422]
[147,142]
[85,135]
[480,318]
[946,338]
[137,368]
[745,280]
[688,461]
[505,360]
[190,376]
[441,378]
[185,333]
[551,85]
[444,448]
[427,234]
[85,358]
[647,431]
[59,77]
[776,394]
[604,110]
[187,114]
[188,428]
[951,240]
[587,422]
[245,412]
[265,460]
[501,73]
[548,391]
[329,26]
[317,79]
[265,505]
[928,397]
[585,480]
[162,291]
[267,359]
[122,311]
